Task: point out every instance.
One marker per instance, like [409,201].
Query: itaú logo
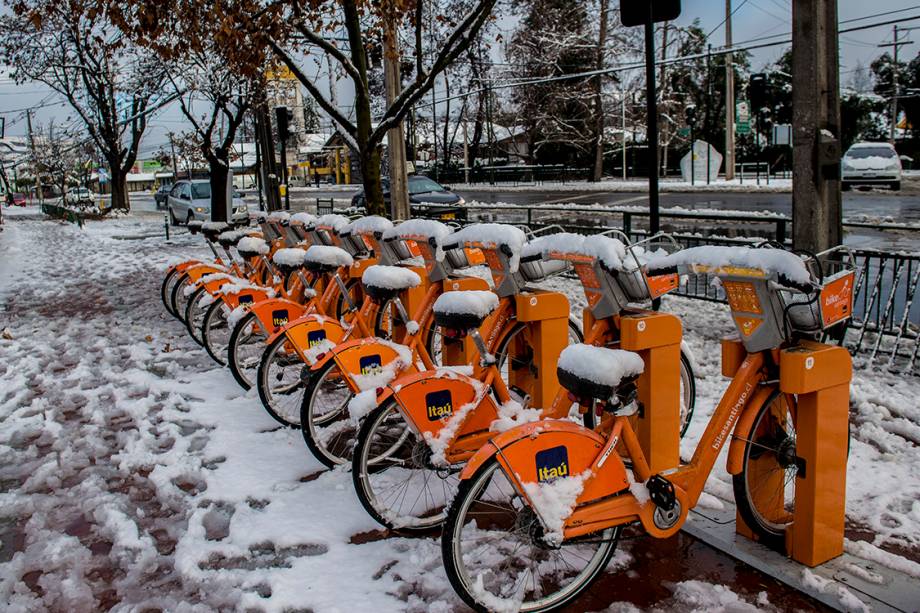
[552,464]
[315,337]
[439,405]
[732,417]
[370,364]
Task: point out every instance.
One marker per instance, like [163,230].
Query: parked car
[160,195]
[872,164]
[79,196]
[16,199]
[425,192]
[188,200]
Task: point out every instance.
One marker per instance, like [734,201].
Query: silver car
[188,200]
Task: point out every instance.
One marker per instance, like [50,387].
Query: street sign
[637,12]
[743,117]
[782,134]
[684,132]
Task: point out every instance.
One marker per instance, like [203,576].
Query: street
[872,206]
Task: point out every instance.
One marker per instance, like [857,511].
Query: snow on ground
[136,474]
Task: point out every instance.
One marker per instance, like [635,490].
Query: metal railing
[886,316]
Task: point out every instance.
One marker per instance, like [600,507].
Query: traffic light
[637,12]
[284,117]
[757,91]
[690,112]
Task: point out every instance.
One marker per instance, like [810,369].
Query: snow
[874,162]
[554,500]
[427,228]
[390,277]
[474,302]
[312,354]
[289,257]
[137,475]
[717,184]
[770,261]
[328,256]
[306,219]
[601,365]
[250,244]
[279,216]
[611,251]
[491,235]
[372,224]
[215,226]
[233,288]
[512,414]
[333,220]
[848,602]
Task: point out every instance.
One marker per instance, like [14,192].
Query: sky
[751,19]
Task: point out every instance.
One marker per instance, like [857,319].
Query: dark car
[426,197]
[160,195]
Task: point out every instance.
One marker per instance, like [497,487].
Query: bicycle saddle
[289,260]
[250,246]
[384,283]
[464,310]
[325,259]
[591,372]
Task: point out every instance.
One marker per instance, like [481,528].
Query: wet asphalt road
[875,205]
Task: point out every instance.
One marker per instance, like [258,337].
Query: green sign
[684,133]
[743,117]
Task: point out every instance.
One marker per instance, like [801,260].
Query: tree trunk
[370,174]
[119,179]
[598,97]
[219,172]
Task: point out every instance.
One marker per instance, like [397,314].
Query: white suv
[872,164]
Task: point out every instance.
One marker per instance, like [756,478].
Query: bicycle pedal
[661,491]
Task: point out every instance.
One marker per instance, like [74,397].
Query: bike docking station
[810,556]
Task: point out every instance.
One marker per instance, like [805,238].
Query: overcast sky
[752,19]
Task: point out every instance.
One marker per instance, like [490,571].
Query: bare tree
[361,23]
[111,84]
[57,156]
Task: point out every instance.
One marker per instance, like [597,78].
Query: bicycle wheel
[279,382]
[393,475]
[177,297]
[495,555]
[687,393]
[356,291]
[325,421]
[765,487]
[244,352]
[195,312]
[518,340]
[387,320]
[215,332]
[166,289]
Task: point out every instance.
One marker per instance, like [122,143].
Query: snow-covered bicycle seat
[212,229]
[384,283]
[326,259]
[289,260]
[464,310]
[591,372]
[250,246]
[230,238]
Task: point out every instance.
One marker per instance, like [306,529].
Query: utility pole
[895,76]
[729,97]
[396,140]
[651,100]
[175,164]
[466,152]
[35,169]
[817,209]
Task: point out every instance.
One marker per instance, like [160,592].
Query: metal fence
[886,317]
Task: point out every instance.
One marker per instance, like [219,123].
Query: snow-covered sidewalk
[136,474]
[748,184]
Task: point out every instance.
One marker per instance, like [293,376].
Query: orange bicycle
[541,507]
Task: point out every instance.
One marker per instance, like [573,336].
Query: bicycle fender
[275,313]
[442,405]
[735,460]
[183,266]
[310,331]
[198,270]
[367,357]
[519,447]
